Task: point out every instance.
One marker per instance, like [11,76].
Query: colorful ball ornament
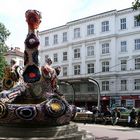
[3,110]
[26,113]
[8,83]
[55,107]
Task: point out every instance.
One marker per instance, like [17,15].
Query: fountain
[31,106]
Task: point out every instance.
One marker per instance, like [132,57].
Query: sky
[54,13]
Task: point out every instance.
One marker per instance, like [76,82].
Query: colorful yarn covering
[33,99]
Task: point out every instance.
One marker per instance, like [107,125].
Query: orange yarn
[33,19]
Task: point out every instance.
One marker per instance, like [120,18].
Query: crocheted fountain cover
[33,98]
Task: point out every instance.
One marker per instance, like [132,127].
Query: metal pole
[73,94]
[98,88]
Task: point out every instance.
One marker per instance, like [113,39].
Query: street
[109,132]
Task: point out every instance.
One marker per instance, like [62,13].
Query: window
[90,87]
[137,44]
[46,58]
[137,63]
[90,29]
[105,48]
[76,32]
[55,39]
[123,65]
[77,53]
[46,41]
[65,56]
[90,68]
[64,36]
[123,85]
[123,46]
[55,57]
[105,26]
[137,84]
[65,71]
[77,70]
[105,85]
[105,66]
[90,50]
[136,23]
[123,23]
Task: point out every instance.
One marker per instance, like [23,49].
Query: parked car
[82,114]
[123,111]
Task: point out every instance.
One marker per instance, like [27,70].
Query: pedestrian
[138,117]
[107,115]
[95,114]
[115,116]
[133,117]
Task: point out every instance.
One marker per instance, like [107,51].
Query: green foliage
[136,6]
[3,63]
[4,33]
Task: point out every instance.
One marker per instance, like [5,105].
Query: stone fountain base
[66,132]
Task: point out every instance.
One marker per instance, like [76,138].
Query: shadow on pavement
[105,138]
[127,129]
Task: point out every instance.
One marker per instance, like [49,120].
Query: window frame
[65,38]
[137,44]
[90,29]
[123,85]
[105,85]
[77,53]
[46,41]
[77,69]
[105,48]
[55,57]
[90,68]
[65,71]
[105,66]
[136,23]
[123,65]
[65,56]
[76,33]
[55,39]
[123,46]
[137,84]
[123,23]
[105,26]
[137,63]
[90,50]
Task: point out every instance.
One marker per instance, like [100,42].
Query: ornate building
[105,46]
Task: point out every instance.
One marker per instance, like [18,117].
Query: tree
[136,6]
[4,33]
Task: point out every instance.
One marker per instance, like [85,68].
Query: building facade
[105,46]
[16,54]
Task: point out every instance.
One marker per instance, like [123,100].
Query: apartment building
[105,46]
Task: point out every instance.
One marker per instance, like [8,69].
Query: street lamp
[98,88]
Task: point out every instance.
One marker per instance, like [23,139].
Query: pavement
[109,132]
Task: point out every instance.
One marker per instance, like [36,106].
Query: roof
[130,8]
[15,53]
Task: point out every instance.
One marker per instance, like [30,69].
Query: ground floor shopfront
[125,101]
